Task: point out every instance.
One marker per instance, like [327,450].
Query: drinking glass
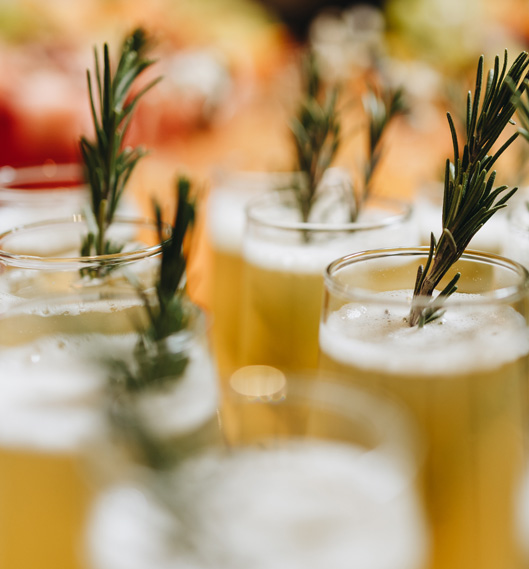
[283,272]
[462,376]
[312,473]
[58,355]
[35,193]
[44,257]
[516,235]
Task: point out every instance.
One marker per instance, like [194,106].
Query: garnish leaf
[470,198]
[316,130]
[156,362]
[381,106]
[108,164]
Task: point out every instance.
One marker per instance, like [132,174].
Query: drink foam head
[376,336]
[306,505]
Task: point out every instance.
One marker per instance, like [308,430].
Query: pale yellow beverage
[279,326]
[55,356]
[283,274]
[324,478]
[227,279]
[464,379]
[226,220]
[48,389]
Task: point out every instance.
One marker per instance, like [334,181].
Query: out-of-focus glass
[428,213]
[41,192]
[283,272]
[44,257]
[463,377]
[46,191]
[515,243]
[58,355]
[312,473]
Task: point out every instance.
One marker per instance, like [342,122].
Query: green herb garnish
[108,163]
[470,198]
[156,364]
[156,361]
[317,134]
[381,107]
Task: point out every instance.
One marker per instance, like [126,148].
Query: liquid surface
[282,289]
[360,334]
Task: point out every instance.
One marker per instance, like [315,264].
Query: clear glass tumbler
[226,219]
[44,257]
[283,272]
[312,474]
[463,377]
[58,355]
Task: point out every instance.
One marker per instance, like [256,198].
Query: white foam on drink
[287,252]
[298,506]
[516,238]
[50,389]
[96,306]
[192,402]
[227,219]
[377,337]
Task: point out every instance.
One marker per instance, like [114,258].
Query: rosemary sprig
[156,364]
[316,130]
[381,106]
[108,163]
[470,198]
[155,360]
[167,316]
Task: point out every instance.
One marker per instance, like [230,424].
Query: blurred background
[230,84]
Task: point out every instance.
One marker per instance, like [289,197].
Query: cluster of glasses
[333,297]
[307,437]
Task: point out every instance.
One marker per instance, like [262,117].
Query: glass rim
[510,293]
[35,261]
[404,214]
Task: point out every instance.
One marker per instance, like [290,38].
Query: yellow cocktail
[56,356]
[313,475]
[283,273]
[463,377]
